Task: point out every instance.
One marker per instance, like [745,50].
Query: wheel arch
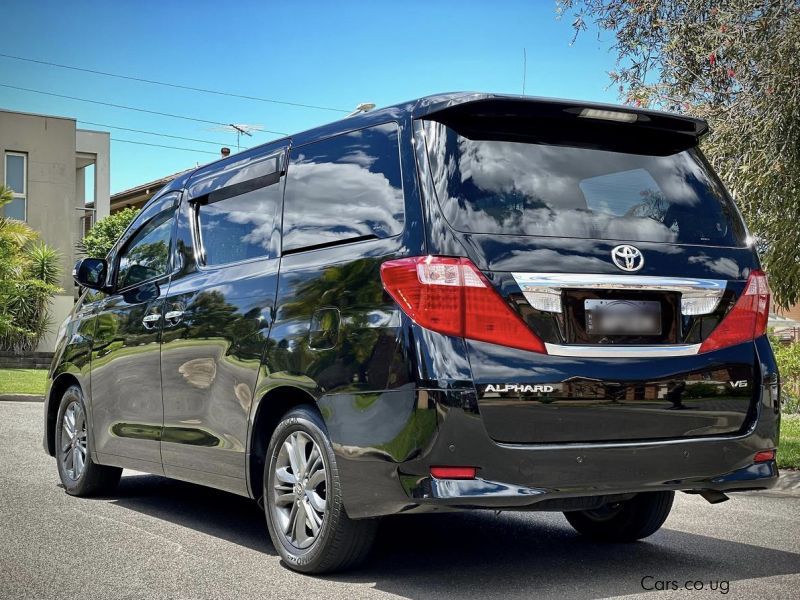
[271,407]
[60,385]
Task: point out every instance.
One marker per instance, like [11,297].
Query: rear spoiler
[566,122]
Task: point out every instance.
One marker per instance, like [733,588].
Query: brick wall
[29,360]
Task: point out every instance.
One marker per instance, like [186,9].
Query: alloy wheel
[73,441]
[299,495]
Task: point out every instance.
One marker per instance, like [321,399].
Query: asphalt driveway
[157,538]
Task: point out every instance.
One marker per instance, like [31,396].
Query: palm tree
[29,274]
[14,236]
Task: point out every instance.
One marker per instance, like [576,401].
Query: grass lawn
[789,447]
[23,381]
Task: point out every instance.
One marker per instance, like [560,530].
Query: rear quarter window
[344,188]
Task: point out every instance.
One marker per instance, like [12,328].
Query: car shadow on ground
[479,554]
[213,512]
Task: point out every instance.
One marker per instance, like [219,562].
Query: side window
[146,255]
[236,222]
[344,188]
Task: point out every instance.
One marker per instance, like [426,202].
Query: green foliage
[29,273]
[104,234]
[14,235]
[45,263]
[737,65]
[789,446]
[788,359]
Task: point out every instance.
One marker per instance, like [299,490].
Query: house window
[17,180]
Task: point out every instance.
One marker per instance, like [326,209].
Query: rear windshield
[527,188]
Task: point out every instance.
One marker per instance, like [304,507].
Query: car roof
[440,104]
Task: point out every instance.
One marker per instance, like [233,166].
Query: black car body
[488,302]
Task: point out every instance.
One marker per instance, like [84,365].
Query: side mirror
[90,273]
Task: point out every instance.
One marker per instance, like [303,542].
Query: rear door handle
[173,316]
[150,320]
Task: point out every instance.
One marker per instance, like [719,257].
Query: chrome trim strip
[538,287]
[592,280]
[613,351]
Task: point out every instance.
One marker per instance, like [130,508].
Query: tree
[29,273]
[104,234]
[736,64]
[788,358]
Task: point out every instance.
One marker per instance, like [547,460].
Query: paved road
[158,538]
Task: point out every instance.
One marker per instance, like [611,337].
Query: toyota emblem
[627,257]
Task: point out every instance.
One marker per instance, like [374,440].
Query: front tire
[307,521]
[79,474]
[626,521]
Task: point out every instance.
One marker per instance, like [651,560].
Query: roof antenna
[362,108]
[524,68]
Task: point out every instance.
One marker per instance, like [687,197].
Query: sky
[330,54]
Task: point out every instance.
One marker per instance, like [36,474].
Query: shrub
[29,273]
[788,359]
[104,234]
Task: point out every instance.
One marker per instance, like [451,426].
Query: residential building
[785,323]
[136,197]
[44,160]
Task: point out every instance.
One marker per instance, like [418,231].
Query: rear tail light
[747,320]
[451,296]
[454,472]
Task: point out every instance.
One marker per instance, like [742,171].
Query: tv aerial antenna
[239,129]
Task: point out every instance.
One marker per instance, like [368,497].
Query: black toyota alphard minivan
[466,301]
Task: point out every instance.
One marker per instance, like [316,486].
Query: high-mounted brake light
[747,320]
[608,115]
[451,296]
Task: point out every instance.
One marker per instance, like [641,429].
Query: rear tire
[307,521]
[627,521]
[79,474]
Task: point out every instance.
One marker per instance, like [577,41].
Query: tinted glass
[147,254]
[525,188]
[15,173]
[240,227]
[343,188]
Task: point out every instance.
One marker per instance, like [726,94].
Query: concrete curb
[21,398]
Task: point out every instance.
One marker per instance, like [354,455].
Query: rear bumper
[481,493]
[526,476]
[542,476]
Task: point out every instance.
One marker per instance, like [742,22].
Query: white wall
[59,309]
[99,144]
[49,143]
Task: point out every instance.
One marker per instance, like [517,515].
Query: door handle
[150,320]
[173,316]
